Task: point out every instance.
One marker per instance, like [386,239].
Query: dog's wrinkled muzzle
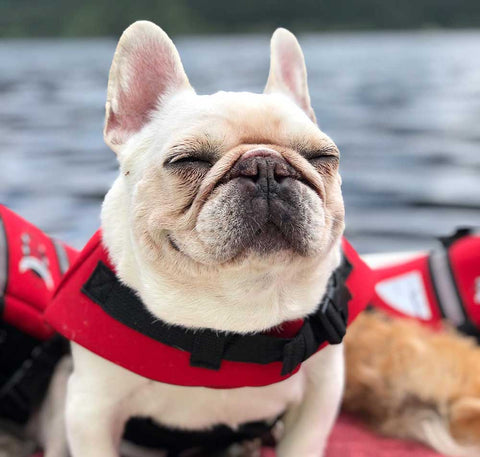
[264,170]
[262,204]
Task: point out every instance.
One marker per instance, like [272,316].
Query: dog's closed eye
[192,152]
[188,159]
[324,159]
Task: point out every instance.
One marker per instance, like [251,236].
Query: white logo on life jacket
[406,293]
[35,260]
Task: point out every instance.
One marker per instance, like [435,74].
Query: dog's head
[216,191]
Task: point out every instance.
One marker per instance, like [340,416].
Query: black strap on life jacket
[26,367]
[208,347]
[195,443]
[26,363]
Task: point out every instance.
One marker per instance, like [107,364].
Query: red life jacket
[31,267]
[86,309]
[443,284]
[92,308]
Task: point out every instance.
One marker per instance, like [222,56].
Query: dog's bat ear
[146,69]
[288,73]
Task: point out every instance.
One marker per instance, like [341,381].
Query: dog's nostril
[282,170]
[248,168]
[263,166]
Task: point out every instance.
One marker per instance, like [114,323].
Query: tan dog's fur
[410,381]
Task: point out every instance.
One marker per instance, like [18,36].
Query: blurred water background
[403,107]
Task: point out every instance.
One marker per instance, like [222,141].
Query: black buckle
[329,322]
[299,349]
[459,233]
[332,314]
[333,321]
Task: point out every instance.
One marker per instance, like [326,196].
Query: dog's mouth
[261,204]
[264,242]
[239,219]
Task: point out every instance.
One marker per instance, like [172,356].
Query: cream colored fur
[202,283]
[241,297]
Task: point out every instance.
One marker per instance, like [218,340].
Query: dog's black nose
[265,167]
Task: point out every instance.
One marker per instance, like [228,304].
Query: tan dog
[409,381]
[227,214]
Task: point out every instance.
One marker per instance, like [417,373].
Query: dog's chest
[199,407]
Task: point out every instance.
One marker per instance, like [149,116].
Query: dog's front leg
[51,431]
[94,427]
[96,405]
[308,424]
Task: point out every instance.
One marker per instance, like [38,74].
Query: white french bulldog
[227,214]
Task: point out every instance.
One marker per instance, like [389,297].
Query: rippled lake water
[404,109]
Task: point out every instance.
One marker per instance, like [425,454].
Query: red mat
[351,439]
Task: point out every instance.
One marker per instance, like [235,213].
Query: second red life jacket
[431,287]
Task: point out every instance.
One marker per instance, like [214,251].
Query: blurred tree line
[52,18]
